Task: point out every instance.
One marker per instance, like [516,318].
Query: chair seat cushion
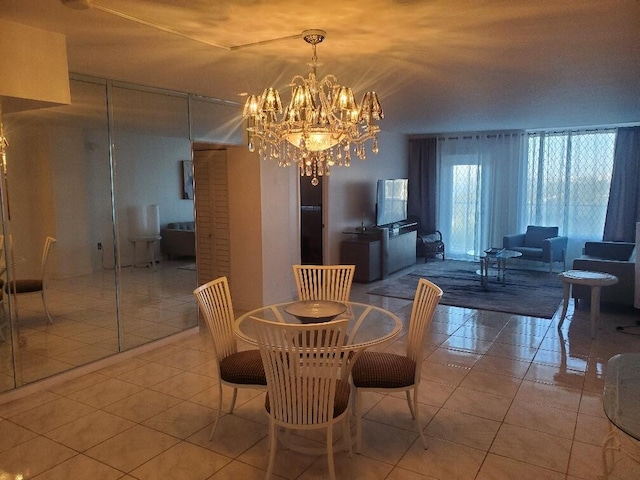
[343,389]
[433,247]
[383,370]
[25,286]
[528,252]
[243,367]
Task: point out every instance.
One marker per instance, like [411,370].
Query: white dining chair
[304,389]
[324,282]
[236,369]
[391,372]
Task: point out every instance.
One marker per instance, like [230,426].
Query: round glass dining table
[368,325]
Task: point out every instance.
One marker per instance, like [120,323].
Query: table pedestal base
[612,444]
[485,264]
[595,280]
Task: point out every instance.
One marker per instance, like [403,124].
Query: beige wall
[264,229]
[264,216]
[34,71]
[352,191]
[280,231]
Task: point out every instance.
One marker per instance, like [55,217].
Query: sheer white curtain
[479,178]
[567,184]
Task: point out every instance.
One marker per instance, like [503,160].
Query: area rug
[526,292]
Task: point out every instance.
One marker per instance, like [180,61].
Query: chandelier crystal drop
[320,127]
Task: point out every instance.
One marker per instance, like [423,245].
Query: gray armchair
[538,243]
[615,258]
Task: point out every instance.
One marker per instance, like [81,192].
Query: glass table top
[494,253]
[368,325]
[621,398]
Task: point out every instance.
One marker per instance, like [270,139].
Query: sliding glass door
[477,191]
[461,185]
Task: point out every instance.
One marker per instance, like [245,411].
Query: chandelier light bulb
[321,120]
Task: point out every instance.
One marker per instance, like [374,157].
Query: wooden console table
[378,251]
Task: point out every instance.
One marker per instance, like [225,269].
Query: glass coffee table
[620,399]
[497,257]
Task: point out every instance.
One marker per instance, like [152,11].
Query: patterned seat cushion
[25,286]
[383,370]
[244,368]
[343,389]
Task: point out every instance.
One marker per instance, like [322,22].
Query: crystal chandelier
[319,128]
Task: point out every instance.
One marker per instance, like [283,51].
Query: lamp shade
[33,68]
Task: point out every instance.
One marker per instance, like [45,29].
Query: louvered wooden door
[212,215]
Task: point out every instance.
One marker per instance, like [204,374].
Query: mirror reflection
[85,223]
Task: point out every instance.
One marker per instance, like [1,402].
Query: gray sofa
[616,258]
[178,239]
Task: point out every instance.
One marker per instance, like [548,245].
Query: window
[465,207]
[568,176]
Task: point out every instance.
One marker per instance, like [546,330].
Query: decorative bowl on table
[315,311]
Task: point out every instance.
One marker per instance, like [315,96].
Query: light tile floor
[502,397]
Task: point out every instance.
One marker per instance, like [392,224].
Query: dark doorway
[310,222]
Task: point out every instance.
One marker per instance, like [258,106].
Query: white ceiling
[437,65]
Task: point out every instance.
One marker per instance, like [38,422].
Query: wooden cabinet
[379,251]
[365,254]
[401,250]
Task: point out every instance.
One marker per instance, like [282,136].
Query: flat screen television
[391,201]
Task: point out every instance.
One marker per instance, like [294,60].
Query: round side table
[595,280]
[150,241]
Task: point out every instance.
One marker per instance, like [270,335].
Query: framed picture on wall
[187,180]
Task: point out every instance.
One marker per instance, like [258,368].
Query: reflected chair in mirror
[304,389]
[236,369]
[542,244]
[324,282]
[35,285]
[390,372]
